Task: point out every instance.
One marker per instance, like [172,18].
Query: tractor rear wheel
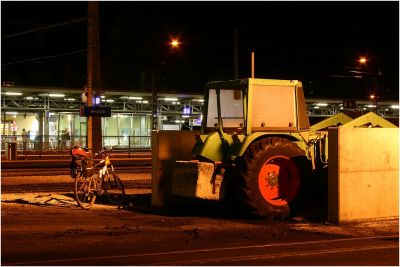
[270,177]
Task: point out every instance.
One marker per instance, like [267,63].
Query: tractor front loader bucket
[197,179]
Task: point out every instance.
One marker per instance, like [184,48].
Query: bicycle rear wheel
[114,188]
[85,191]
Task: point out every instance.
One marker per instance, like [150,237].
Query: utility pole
[94,135]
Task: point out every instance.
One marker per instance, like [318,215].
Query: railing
[53,144]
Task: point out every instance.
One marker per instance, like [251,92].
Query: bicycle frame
[106,166]
[103,181]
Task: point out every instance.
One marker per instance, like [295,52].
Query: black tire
[85,191]
[269,180]
[114,189]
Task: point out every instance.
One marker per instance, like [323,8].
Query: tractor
[254,148]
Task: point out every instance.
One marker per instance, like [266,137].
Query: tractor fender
[211,146]
[261,135]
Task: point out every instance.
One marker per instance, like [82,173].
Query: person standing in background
[28,135]
[24,140]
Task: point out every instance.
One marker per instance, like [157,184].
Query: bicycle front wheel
[85,191]
[114,189]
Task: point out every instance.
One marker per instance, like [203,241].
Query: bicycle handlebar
[105,150]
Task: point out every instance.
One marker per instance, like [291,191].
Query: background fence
[53,144]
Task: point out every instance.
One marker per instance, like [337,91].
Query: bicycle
[88,184]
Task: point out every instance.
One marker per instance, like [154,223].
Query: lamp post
[174,45]
[376,77]
[374,99]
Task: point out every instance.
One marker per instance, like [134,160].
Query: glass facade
[118,130]
[53,119]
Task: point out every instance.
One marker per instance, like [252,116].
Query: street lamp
[174,43]
[362,60]
[374,99]
[376,80]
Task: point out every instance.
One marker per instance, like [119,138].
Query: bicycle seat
[77,152]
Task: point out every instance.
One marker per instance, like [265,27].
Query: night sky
[318,43]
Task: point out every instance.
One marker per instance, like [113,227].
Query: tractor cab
[240,111]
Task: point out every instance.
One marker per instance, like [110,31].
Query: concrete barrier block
[197,180]
[363,175]
[166,148]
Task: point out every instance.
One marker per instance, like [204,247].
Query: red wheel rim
[279,180]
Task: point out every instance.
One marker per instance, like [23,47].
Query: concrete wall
[166,148]
[363,180]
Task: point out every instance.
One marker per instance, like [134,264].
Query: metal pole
[252,65]
[154,103]
[236,55]
[92,8]
[94,134]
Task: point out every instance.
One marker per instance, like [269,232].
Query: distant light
[13,93]
[56,95]
[12,113]
[29,98]
[199,120]
[394,106]
[185,116]
[199,100]
[362,60]
[102,96]
[97,100]
[322,104]
[372,96]
[135,98]
[170,99]
[186,110]
[8,83]
[371,106]
[110,100]
[175,43]
[316,107]
[69,99]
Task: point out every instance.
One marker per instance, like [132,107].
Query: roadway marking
[316,252]
[275,255]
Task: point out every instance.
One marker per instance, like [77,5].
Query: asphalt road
[47,228]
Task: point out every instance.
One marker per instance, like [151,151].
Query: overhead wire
[45,57]
[42,28]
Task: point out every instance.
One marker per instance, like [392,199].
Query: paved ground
[49,229]
[42,225]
